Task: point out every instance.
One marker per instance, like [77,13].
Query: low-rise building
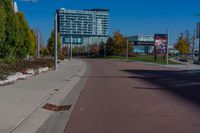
[142,43]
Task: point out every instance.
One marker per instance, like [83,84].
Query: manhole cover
[53,107]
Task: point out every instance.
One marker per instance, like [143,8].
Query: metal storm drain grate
[53,107]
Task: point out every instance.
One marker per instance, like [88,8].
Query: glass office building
[83,26]
[142,43]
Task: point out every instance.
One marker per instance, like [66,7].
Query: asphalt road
[127,97]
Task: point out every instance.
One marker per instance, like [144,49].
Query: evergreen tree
[27,43]
[50,44]
[110,46]
[11,32]
[2,25]
[16,38]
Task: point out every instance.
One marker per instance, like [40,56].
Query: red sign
[160,42]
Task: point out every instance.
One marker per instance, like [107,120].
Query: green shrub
[5,71]
[22,66]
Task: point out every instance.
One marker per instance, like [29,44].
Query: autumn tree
[183,44]
[120,43]
[117,44]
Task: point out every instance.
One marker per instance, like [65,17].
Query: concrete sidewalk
[187,66]
[20,103]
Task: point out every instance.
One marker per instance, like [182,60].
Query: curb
[36,119]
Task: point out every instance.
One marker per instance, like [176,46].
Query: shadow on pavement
[181,83]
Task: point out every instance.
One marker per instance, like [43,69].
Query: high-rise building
[83,26]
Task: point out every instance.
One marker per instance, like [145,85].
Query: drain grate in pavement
[53,107]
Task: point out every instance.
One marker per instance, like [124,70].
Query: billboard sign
[160,43]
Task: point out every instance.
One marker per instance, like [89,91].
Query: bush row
[22,66]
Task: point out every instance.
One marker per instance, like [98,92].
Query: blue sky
[129,16]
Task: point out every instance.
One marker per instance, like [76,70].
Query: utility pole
[127,50]
[55,42]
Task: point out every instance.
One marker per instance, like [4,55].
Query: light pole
[104,50]
[77,50]
[55,42]
[61,45]
[198,34]
[38,44]
[88,52]
[68,50]
[167,47]
[127,50]
[71,47]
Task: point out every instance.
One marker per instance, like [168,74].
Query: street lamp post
[77,50]
[88,50]
[38,44]
[55,42]
[61,45]
[127,50]
[167,47]
[198,34]
[71,47]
